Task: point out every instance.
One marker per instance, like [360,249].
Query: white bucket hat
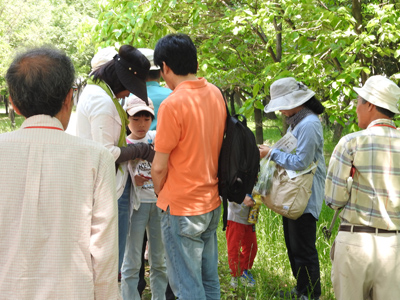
[381,92]
[149,53]
[287,93]
[133,104]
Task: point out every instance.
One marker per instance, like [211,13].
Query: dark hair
[382,110]
[108,72]
[315,105]
[178,52]
[39,81]
[154,75]
[142,113]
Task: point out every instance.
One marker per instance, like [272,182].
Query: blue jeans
[191,250]
[123,221]
[146,218]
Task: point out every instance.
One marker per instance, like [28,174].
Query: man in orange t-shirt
[190,129]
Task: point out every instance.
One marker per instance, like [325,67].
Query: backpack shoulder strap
[224,199]
[226,104]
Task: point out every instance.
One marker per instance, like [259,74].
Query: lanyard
[45,127]
[384,125]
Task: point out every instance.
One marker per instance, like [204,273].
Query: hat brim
[289,101]
[132,83]
[372,99]
[134,110]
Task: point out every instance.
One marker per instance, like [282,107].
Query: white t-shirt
[145,193]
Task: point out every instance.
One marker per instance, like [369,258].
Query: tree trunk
[356,12]
[5,103]
[337,132]
[270,115]
[259,126]
[278,28]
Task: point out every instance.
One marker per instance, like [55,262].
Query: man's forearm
[159,178]
[159,171]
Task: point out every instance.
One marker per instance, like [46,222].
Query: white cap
[149,53]
[133,104]
[102,56]
[381,92]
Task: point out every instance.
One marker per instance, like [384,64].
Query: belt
[353,228]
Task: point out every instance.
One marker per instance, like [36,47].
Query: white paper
[288,144]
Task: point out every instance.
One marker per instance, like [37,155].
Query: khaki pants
[366,266]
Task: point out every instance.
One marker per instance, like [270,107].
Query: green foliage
[5,122]
[64,24]
[244,46]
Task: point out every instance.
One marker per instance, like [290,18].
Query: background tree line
[243,45]
[66,24]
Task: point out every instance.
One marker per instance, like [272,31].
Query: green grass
[5,123]
[271,267]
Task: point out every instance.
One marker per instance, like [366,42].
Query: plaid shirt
[375,193]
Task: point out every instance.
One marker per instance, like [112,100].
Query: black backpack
[239,162]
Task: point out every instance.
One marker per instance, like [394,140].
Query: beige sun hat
[133,104]
[287,93]
[149,53]
[381,92]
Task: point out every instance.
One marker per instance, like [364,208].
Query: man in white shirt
[58,207]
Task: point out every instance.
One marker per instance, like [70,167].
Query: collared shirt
[58,215]
[191,124]
[157,94]
[310,144]
[375,192]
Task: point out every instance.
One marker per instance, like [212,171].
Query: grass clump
[271,267]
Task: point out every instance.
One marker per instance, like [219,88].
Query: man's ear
[14,107]
[165,68]
[371,106]
[68,102]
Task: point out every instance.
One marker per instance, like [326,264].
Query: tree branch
[356,12]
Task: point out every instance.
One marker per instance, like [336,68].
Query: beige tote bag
[289,197]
